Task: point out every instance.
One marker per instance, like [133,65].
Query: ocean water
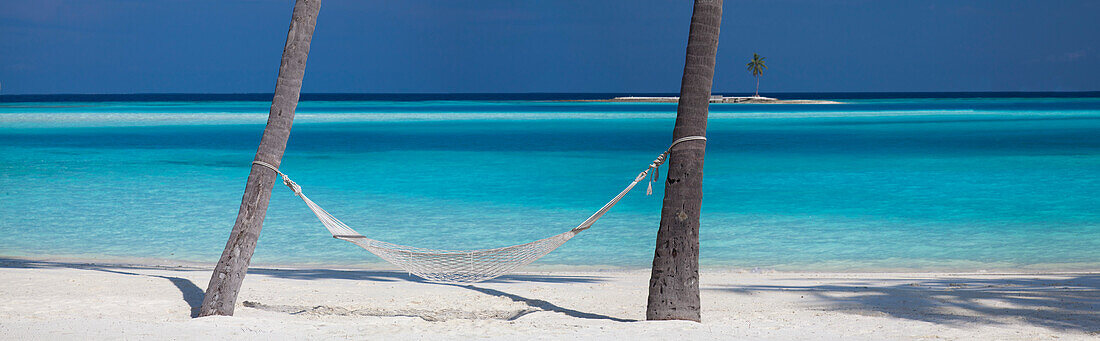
[929,182]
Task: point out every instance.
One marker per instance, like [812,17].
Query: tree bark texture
[674,283]
[225,283]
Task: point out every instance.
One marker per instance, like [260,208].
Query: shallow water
[882,183]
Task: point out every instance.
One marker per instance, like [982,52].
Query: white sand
[68,300]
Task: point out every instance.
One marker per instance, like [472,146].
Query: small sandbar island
[713,99]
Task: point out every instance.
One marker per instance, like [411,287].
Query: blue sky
[233,46]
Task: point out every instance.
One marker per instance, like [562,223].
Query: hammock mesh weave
[450,266]
[462,266]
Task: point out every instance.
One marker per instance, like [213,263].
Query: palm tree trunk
[757,86]
[674,283]
[225,283]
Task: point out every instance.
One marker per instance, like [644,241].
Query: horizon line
[550,93]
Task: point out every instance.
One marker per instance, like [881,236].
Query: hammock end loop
[293,186]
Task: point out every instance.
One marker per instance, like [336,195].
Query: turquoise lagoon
[929,183]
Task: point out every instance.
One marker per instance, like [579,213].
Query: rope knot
[293,185]
[286,180]
[656,165]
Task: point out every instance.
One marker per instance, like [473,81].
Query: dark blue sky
[233,46]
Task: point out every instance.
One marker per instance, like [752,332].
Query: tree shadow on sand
[544,305]
[395,276]
[1062,302]
[298,274]
[193,295]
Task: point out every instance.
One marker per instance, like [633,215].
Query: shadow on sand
[1063,302]
[544,305]
[193,295]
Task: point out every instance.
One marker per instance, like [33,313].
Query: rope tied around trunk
[286,179]
[656,165]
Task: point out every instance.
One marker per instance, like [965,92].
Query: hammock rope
[467,266]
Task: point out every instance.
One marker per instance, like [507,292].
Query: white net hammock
[465,266]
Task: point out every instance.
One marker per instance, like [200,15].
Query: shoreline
[372,263]
[59,300]
[713,100]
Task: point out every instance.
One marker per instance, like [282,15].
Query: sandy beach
[44,299]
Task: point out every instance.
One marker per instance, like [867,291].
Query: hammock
[466,266]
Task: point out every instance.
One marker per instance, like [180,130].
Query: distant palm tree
[756,65]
